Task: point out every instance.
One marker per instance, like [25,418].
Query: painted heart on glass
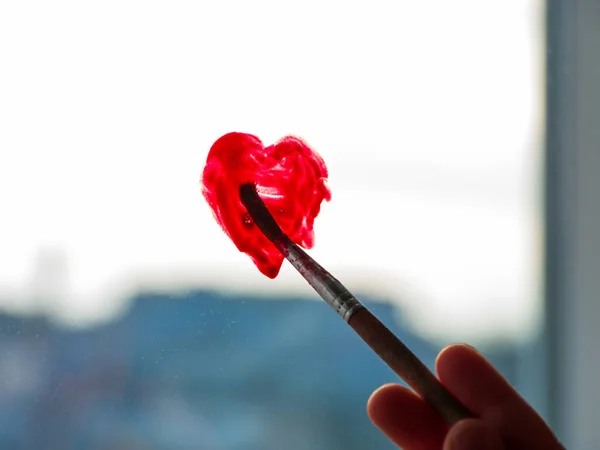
[291,179]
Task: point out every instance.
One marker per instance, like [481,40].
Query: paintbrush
[389,348]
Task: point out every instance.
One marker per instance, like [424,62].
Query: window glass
[129,320]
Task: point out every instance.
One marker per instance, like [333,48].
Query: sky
[428,114]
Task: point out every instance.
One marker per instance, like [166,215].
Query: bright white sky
[108,109]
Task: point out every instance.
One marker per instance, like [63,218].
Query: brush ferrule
[326,285]
[345,305]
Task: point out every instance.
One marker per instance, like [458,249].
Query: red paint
[290,177]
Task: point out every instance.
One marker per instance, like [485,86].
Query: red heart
[290,177]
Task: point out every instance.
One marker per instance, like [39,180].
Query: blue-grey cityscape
[198,370]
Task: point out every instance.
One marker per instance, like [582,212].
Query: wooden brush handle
[407,366]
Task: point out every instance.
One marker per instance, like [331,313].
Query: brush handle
[407,366]
[369,328]
[389,348]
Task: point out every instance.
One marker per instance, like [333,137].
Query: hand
[504,419]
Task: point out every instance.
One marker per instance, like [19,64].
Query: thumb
[472,434]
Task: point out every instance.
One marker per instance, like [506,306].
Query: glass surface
[129,320]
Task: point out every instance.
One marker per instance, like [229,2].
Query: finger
[473,379]
[406,419]
[482,389]
[472,434]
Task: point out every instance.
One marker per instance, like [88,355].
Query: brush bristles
[259,212]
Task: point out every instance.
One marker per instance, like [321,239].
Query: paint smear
[290,177]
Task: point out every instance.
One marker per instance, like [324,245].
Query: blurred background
[462,211]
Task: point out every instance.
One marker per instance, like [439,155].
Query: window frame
[572,216]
